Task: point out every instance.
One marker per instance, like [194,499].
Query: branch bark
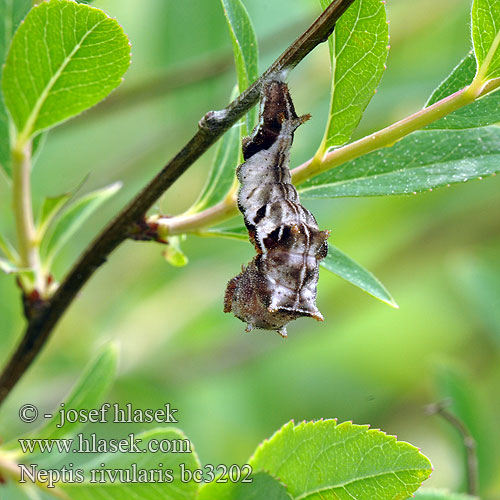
[210,128]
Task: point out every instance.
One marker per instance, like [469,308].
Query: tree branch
[211,127]
[469,442]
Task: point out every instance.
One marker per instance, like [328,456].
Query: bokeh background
[438,253]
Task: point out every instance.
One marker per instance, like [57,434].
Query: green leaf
[11,14]
[48,211]
[174,254]
[358,48]
[336,262]
[340,264]
[263,486]
[245,49]
[422,161]
[64,58]
[428,494]
[73,217]
[318,460]
[232,233]
[486,37]
[88,393]
[482,112]
[222,173]
[176,490]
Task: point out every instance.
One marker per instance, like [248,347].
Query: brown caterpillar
[279,284]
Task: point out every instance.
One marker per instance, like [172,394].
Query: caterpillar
[279,284]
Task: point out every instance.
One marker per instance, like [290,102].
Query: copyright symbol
[28,413]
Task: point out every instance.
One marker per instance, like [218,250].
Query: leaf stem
[28,245]
[321,163]
[386,137]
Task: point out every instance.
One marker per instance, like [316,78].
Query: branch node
[146,230]
[33,303]
[214,120]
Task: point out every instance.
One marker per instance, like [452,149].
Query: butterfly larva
[279,284]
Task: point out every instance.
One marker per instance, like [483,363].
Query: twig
[211,127]
[472,469]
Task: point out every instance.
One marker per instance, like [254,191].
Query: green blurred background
[438,253]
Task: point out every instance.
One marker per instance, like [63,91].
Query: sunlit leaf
[424,160]
[74,216]
[63,59]
[245,49]
[340,264]
[263,486]
[11,14]
[324,460]
[486,37]
[482,112]
[358,47]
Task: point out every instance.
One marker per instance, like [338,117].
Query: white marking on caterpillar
[279,284]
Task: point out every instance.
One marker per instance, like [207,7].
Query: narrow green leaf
[222,173]
[232,233]
[358,48]
[245,49]
[324,460]
[484,111]
[428,494]
[422,161]
[486,37]
[336,262]
[11,14]
[340,264]
[64,58]
[263,486]
[48,211]
[174,490]
[88,393]
[74,216]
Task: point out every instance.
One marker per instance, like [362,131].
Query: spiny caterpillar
[279,284]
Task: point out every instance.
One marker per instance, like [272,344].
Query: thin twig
[469,442]
[211,127]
